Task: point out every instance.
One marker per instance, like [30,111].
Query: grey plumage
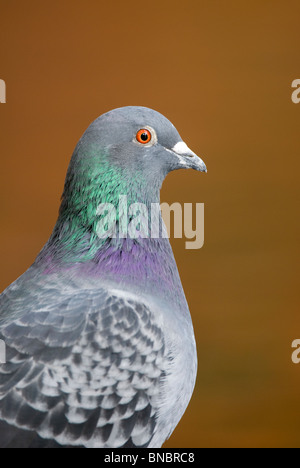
[83,370]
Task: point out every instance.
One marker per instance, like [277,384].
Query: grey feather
[98,393]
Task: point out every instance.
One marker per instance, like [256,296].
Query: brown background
[221,71]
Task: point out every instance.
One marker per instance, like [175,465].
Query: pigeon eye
[143,136]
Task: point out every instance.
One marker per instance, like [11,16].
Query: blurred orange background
[222,73]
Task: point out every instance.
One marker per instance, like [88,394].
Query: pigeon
[100,347]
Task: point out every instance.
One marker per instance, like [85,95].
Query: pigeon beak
[188,159]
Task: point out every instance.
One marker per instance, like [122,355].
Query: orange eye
[143,136]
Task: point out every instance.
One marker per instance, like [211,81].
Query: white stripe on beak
[182,148]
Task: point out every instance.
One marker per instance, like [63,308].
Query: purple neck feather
[141,265]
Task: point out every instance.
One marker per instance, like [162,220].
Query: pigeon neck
[76,244]
[146,265]
[107,220]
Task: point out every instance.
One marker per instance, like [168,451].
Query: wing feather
[85,371]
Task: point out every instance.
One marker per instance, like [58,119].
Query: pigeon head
[140,139]
[125,150]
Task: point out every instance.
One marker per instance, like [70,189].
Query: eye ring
[144,136]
